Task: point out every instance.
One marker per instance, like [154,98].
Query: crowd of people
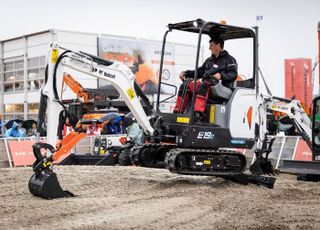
[95,128]
[17,130]
[115,126]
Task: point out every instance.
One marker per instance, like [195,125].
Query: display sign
[298,81]
[303,152]
[22,153]
[143,59]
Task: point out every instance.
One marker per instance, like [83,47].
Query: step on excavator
[174,140]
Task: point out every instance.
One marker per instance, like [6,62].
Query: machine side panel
[242,113]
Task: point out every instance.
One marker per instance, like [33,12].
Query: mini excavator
[174,140]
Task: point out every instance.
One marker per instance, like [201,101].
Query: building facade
[23,62]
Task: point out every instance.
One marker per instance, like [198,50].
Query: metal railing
[284,148]
[84,146]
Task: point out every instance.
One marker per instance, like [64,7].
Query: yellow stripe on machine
[54,55]
[185,120]
[212,110]
[131,93]
[46,164]
[207,162]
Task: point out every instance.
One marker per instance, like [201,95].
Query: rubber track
[136,150]
[174,153]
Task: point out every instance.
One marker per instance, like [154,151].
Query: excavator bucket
[47,186]
[44,182]
[261,166]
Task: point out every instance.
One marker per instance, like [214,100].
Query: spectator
[136,133]
[110,127]
[32,132]
[15,131]
[21,128]
[67,122]
[93,129]
[67,127]
[119,126]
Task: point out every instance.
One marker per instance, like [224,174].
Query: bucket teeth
[262,166]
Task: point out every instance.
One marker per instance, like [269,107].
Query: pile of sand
[143,198]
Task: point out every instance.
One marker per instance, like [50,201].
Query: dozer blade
[305,170]
[47,186]
[245,179]
[261,166]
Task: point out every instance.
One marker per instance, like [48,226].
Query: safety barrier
[5,159]
[288,148]
[18,151]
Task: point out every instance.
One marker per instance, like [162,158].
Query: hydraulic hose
[55,91]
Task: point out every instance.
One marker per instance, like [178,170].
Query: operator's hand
[182,76]
[217,76]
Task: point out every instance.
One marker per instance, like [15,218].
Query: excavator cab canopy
[225,32]
[214,30]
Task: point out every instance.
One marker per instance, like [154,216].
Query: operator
[220,66]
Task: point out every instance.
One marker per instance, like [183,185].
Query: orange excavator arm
[67,143]
[76,87]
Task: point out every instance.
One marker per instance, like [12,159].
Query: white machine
[174,140]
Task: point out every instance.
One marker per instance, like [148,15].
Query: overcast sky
[288,28]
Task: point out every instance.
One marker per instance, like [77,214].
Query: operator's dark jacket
[224,64]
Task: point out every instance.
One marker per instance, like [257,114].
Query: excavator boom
[60,61]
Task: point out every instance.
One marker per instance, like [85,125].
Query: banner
[303,152]
[22,152]
[298,81]
[143,58]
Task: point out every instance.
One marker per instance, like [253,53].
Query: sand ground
[143,198]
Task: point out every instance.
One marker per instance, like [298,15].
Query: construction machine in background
[76,87]
[309,170]
[106,148]
[307,128]
[173,140]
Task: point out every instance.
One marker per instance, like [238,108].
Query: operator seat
[219,94]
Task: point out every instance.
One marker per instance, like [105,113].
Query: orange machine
[76,87]
[68,142]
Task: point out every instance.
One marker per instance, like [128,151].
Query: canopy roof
[213,29]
